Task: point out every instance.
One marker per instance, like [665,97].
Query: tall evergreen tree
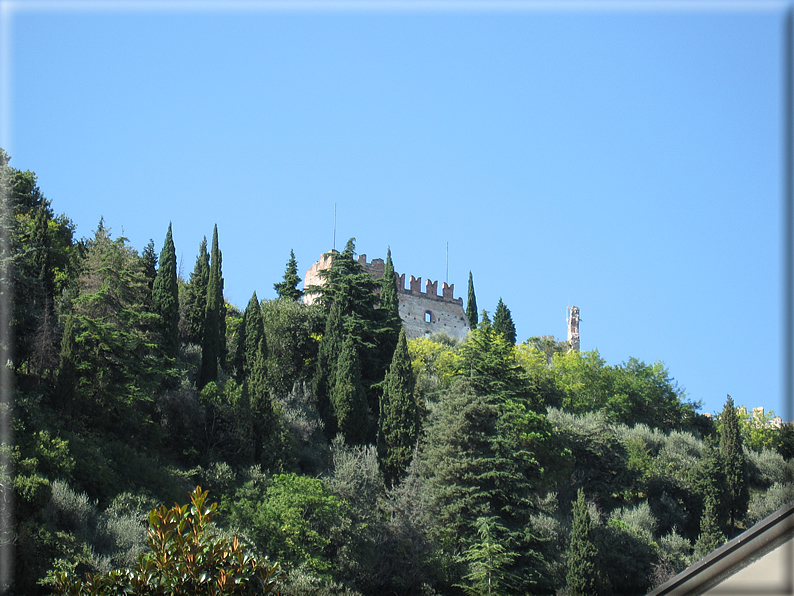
[582,571]
[351,290]
[165,297]
[503,323]
[251,339]
[487,558]
[389,303]
[149,260]
[324,378]
[734,461]
[471,304]
[214,341]
[196,296]
[398,420]
[389,311]
[288,287]
[348,400]
[710,537]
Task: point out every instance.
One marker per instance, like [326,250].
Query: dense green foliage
[364,462]
[186,559]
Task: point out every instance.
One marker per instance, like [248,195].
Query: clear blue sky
[624,158]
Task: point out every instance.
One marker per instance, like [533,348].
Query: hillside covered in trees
[362,462]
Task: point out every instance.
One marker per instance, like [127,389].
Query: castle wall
[422,313]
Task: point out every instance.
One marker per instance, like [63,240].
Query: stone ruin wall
[422,313]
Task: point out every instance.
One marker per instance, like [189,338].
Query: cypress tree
[581,577]
[165,297]
[348,399]
[149,261]
[734,461]
[710,537]
[503,323]
[391,323]
[324,378]
[288,287]
[398,419]
[251,333]
[471,304]
[196,296]
[389,302]
[214,333]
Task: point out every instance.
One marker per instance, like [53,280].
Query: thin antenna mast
[334,226]
[447,280]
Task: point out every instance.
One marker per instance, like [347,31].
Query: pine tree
[471,304]
[288,287]
[214,341]
[487,558]
[398,419]
[348,399]
[503,323]
[734,461]
[165,297]
[196,296]
[582,574]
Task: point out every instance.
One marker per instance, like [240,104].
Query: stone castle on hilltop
[422,313]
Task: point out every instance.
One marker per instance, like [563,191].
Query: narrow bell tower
[572,318]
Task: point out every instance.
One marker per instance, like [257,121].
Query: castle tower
[572,319]
[422,312]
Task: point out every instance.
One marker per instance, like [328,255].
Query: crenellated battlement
[376,267]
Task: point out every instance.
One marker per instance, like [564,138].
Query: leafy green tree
[734,461]
[398,421]
[292,329]
[187,558]
[288,287]
[196,296]
[486,558]
[214,342]
[471,304]
[582,572]
[42,260]
[292,517]
[165,297]
[503,323]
